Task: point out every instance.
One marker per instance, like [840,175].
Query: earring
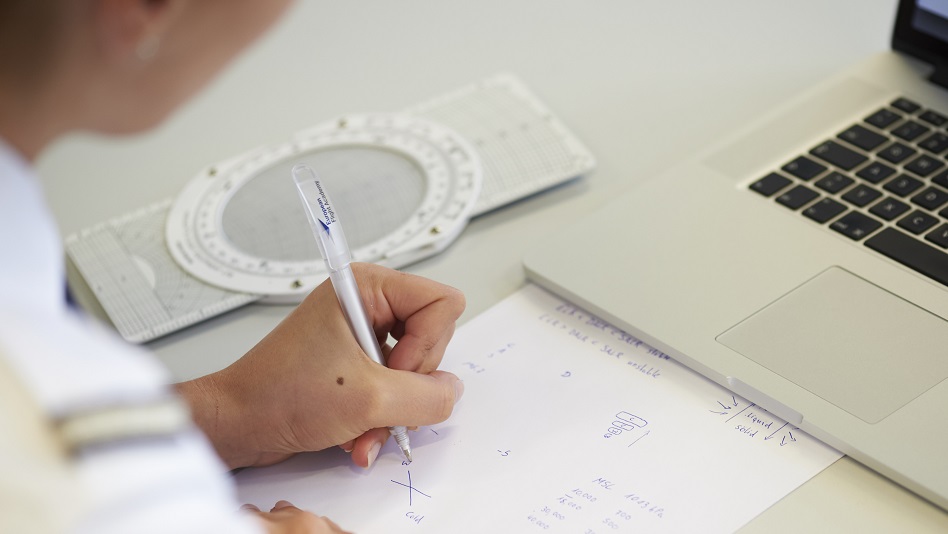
[147,48]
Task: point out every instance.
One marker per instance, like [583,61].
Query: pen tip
[401,437]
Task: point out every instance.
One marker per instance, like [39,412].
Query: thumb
[413,399]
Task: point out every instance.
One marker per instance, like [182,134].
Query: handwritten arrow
[751,405]
[775,431]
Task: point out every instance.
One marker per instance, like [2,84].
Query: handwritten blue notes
[567,425]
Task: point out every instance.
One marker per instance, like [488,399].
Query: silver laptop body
[775,296]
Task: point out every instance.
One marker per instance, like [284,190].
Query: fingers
[278,506]
[367,446]
[284,517]
[412,399]
[420,349]
[281,505]
[421,400]
[420,313]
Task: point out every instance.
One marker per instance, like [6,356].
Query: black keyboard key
[875,172]
[804,168]
[924,165]
[934,118]
[917,222]
[824,210]
[797,197]
[770,184]
[912,253]
[935,143]
[834,182]
[883,118]
[889,208]
[902,185]
[931,198]
[939,236]
[896,153]
[909,130]
[906,105]
[941,179]
[861,195]
[862,137]
[837,154]
[855,225]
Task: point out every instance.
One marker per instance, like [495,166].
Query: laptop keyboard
[882,182]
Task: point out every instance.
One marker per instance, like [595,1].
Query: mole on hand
[340,381]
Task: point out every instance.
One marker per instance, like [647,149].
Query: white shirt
[58,368]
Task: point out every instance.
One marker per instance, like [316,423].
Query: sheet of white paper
[567,425]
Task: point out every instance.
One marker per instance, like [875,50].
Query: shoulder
[101,441]
[38,489]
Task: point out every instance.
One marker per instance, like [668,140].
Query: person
[95,438]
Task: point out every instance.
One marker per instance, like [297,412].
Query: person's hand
[308,385]
[284,518]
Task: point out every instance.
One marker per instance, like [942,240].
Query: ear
[131,29]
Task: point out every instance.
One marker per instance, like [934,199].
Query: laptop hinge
[940,74]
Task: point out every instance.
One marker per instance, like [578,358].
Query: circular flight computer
[404,189]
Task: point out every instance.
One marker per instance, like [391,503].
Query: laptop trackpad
[848,341]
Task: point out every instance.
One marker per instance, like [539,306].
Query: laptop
[803,261]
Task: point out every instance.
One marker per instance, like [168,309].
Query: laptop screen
[921,30]
[931,18]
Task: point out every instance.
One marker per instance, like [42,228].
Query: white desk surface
[642,83]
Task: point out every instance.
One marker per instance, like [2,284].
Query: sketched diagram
[629,425]
[411,489]
[752,421]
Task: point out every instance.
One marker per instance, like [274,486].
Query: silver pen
[335,251]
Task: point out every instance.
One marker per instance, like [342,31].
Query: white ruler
[524,148]
[144,292]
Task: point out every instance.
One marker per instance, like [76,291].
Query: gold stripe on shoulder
[114,424]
